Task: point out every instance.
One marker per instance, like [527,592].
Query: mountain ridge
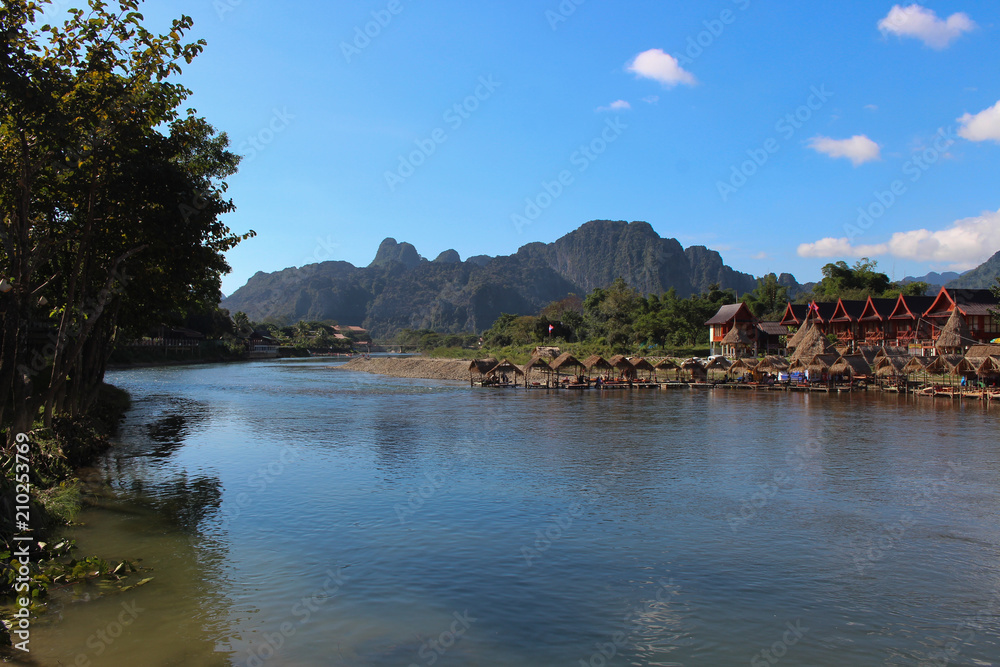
[401,289]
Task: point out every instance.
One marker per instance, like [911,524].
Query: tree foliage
[110,198]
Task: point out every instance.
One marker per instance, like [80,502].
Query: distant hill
[982,277]
[933,279]
[400,289]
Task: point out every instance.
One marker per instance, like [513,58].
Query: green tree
[110,199]
[768,299]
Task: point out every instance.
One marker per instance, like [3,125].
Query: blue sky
[643,110]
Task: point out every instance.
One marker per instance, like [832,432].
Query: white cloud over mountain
[966,244]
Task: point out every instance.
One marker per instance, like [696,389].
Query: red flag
[551,328]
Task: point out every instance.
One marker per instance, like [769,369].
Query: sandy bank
[412,367]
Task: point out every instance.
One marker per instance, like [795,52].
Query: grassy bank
[55,498]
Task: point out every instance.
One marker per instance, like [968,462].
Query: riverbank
[412,367]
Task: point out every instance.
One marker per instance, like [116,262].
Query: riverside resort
[912,344]
[535,333]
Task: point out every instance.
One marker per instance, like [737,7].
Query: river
[291,513]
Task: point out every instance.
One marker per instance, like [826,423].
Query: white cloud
[659,66]
[760,255]
[924,24]
[871,107]
[858,149]
[617,105]
[651,99]
[964,245]
[984,126]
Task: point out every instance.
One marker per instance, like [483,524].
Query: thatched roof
[952,364]
[719,362]
[984,350]
[536,363]
[891,366]
[691,364]
[596,361]
[643,365]
[822,362]
[916,365]
[546,352]
[797,337]
[954,334]
[482,366]
[738,337]
[853,365]
[564,360]
[989,366]
[666,365]
[742,365]
[621,363]
[813,342]
[506,367]
[772,364]
[798,366]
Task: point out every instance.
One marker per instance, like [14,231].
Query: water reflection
[610,494]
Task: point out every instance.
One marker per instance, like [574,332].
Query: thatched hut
[854,366]
[505,369]
[772,364]
[891,366]
[623,366]
[737,341]
[696,369]
[741,366]
[641,365]
[720,363]
[478,368]
[954,335]
[812,343]
[822,363]
[597,363]
[536,365]
[949,364]
[916,365]
[564,363]
[666,364]
[796,338]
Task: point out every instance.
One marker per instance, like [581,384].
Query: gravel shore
[412,367]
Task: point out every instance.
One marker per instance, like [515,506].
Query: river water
[291,513]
